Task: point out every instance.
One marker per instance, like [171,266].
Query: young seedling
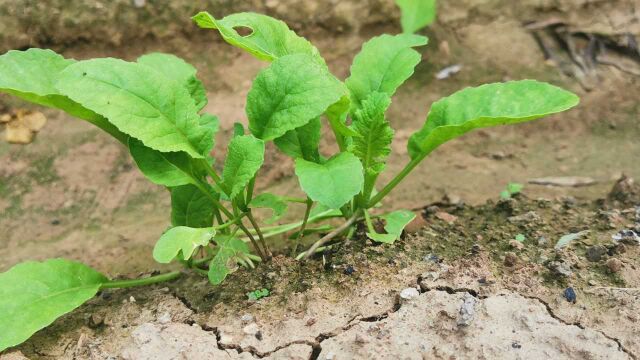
[154,106]
[511,190]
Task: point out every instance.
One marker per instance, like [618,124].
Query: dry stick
[331,235]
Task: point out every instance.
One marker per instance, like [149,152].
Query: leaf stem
[309,203]
[252,184]
[294,200]
[396,180]
[255,225]
[332,234]
[367,219]
[121,284]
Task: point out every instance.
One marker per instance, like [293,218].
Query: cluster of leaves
[154,107]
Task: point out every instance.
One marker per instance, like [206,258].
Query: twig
[331,235]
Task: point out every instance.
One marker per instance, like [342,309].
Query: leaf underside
[34,294]
[270,201]
[181,240]
[488,105]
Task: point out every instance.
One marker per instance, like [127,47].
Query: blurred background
[68,190]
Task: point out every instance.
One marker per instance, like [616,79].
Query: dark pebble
[516,345]
[349,270]
[259,335]
[55,222]
[570,295]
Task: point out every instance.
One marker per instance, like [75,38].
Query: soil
[75,193]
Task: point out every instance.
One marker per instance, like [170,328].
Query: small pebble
[614,265]
[570,295]
[596,252]
[542,241]
[246,318]
[165,318]
[516,345]
[259,335]
[467,310]
[311,321]
[409,293]
[510,259]
[55,222]
[592,282]
[515,244]
[561,268]
[132,299]
[251,329]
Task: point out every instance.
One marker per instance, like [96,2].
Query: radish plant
[154,106]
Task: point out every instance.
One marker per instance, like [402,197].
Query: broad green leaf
[190,207]
[181,239]
[383,64]
[140,101]
[244,159]
[288,94]
[416,14]
[212,125]
[373,144]
[34,294]
[302,142]
[269,38]
[270,201]
[488,105]
[31,75]
[179,71]
[395,223]
[168,169]
[224,261]
[333,183]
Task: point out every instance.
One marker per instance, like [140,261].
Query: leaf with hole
[395,222]
[270,201]
[223,263]
[34,294]
[181,240]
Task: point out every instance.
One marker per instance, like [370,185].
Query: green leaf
[181,239]
[333,183]
[269,38]
[238,129]
[140,101]
[224,261]
[383,64]
[179,71]
[373,143]
[31,75]
[416,14]
[190,207]
[302,142]
[337,115]
[288,94]
[168,169]
[270,201]
[395,223]
[34,294]
[488,105]
[244,159]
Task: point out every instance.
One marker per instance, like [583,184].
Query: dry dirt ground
[75,193]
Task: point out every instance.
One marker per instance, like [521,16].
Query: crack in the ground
[551,313]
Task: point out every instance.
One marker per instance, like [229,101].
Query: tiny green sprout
[258,294]
[511,190]
[154,107]
[520,238]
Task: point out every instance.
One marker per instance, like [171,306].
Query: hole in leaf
[243,31]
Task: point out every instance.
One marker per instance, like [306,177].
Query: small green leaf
[34,294]
[238,129]
[416,14]
[566,239]
[395,223]
[288,94]
[337,116]
[190,207]
[140,101]
[383,64]
[270,201]
[168,169]
[520,238]
[269,38]
[181,239]
[244,159]
[373,143]
[514,188]
[224,261]
[333,183]
[180,71]
[488,105]
[302,142]
[31,75]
